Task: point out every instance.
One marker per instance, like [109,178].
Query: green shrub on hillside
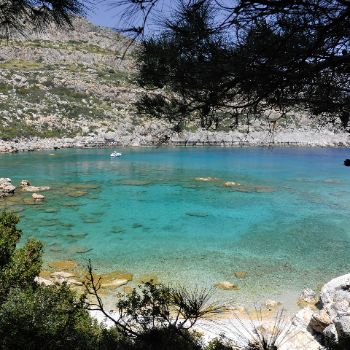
[46,318]
[34,316]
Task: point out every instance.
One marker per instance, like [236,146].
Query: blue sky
[102,15]
[105,15]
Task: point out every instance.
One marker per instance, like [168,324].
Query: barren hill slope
[66,83]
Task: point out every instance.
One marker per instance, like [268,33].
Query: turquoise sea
[286,225]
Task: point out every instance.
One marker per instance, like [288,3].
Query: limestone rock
[6,187]
[329,290]
[331,335]
[335,299]
[337,308]
[44,281]
[302,318]
[111,136]
[25,183]
[299,340]
[319,321]
[308,296]
[342,325]
[38,197]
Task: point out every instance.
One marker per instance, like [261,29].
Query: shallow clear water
[287,225]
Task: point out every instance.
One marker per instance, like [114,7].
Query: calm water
[287,225]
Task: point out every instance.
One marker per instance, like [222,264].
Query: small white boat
[115,154]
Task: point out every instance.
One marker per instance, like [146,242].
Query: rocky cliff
[71,88]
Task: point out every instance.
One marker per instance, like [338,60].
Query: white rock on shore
[308,296]
[6,187]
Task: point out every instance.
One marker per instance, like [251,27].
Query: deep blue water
[286,225]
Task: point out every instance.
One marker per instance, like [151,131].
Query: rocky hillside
[71,88]
[66,83]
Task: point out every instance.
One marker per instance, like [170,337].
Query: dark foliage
[167,338]
[190,62]
[295,52]
[218,58]
[342,343]
[18,267]
[46,318]
[220,344]
[15,15]
[34,316]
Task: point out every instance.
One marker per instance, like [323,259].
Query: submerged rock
[35,188]
[240,274]
[148,278]
[135,183]
[78,235]
[226,285]
[72,204]
[63,265]
[50,234]
[77,194]
[117,229]
[231,184]
[56,249]
[114,279]
[82,250]
[86,186]
[206,179]
[197,214]
[109,276]
[51,210]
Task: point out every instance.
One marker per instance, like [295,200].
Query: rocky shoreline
[323,322]
[162,136]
